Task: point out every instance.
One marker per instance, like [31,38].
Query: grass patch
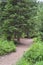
[39,63]
[6,47]
[35,53]
[22,61]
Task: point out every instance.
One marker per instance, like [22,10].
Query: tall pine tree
[17,18]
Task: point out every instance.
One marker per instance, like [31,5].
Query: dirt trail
[12,58]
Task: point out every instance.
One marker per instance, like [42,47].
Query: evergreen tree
[18,18]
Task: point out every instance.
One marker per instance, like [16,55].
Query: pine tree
[18,17]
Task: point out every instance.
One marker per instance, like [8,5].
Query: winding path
[12,58]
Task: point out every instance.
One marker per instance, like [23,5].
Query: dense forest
[17,18]
[22,19]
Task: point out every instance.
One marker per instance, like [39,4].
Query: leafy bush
[23,62]
[39,63]
[6,47]
[35,53]
[37,39]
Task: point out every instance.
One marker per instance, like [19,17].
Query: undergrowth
[6,46]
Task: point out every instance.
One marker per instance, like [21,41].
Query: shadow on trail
[24,42]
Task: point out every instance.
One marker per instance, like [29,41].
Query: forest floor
[13,57]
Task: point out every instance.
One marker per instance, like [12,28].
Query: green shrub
[39,63]
[35,53]
[6,47]
[22,61]
[37,39]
